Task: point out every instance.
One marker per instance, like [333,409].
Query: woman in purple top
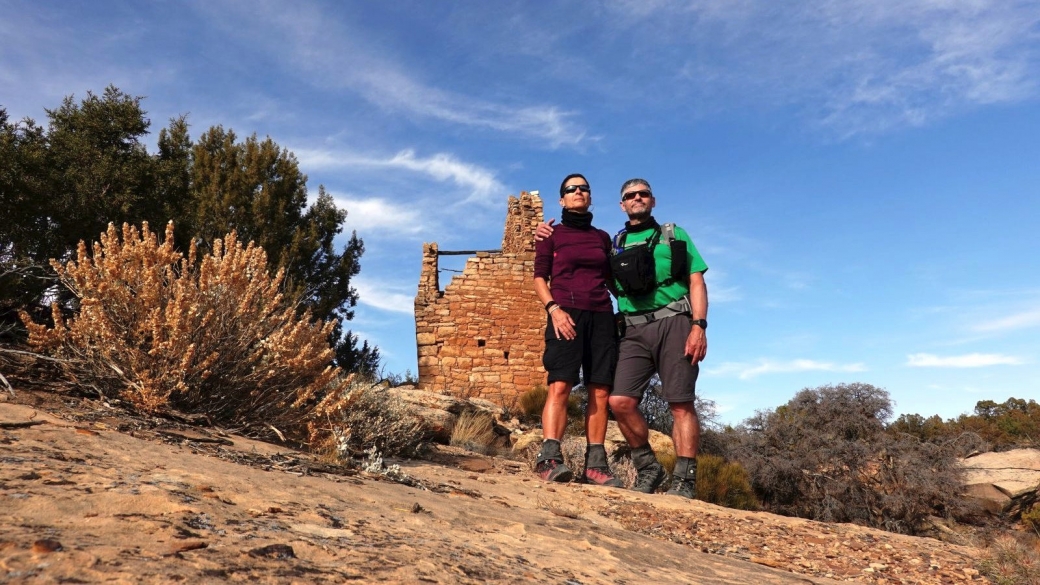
[580,332]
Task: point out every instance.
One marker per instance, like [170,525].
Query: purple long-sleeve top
[576,263]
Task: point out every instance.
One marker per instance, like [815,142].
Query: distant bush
[724,483]
[394,379]
[658,415]
[1011,424]
[655,409]
[532,403]
[213,336]
[824,455]
[577,403]
[1014,423]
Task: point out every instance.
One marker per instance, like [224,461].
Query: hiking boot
[552,470]
[601,476]
[649,478]
[682,487]
[684,478]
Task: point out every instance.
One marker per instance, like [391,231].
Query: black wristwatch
[702,323]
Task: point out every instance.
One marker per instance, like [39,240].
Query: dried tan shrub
[214,336]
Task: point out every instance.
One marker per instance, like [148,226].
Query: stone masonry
[483,335]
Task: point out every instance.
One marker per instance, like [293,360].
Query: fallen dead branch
[7,384]
[33,355]
[21,425]
[216,440]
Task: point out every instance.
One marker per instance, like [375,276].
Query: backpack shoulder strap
[679,266]
[619,241]
[668,232]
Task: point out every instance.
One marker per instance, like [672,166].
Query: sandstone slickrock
[120,501]
[1005,482]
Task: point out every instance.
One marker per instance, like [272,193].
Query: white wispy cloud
[390,89]
[383,295]
[480,183]
[346,55]
[853,66]
[971,360]
[445,167]
[382,216]
[1023,320]
[746,371]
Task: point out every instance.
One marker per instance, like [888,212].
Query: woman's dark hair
[568,178]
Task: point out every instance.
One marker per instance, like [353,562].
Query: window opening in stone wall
[481,342]
[506,355]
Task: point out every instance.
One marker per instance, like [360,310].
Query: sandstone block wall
[482,336]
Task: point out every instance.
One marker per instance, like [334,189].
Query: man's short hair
[636,181]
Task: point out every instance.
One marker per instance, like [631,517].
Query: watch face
[703,323]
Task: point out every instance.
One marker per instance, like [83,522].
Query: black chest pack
[634,268]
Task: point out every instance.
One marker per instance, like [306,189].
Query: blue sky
[861,176]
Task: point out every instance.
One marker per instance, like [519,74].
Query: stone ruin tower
[483,335]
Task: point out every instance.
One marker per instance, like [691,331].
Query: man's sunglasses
[572,188]
[644,193]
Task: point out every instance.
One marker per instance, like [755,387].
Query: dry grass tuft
[1010,561]
[532,402]
[475,431]
[1031,519]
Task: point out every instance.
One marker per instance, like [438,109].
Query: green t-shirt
[662,295]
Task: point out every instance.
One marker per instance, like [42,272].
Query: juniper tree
[257,188]
[89,167]
[66,182]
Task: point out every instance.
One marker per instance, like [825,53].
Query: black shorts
[657,347]
[593,350]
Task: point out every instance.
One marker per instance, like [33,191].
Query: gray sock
[685,468]
[595,456]
[643,457]
[550,451]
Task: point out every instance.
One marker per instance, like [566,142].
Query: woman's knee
[559,391]
[599,392]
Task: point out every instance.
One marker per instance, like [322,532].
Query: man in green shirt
[665,322]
